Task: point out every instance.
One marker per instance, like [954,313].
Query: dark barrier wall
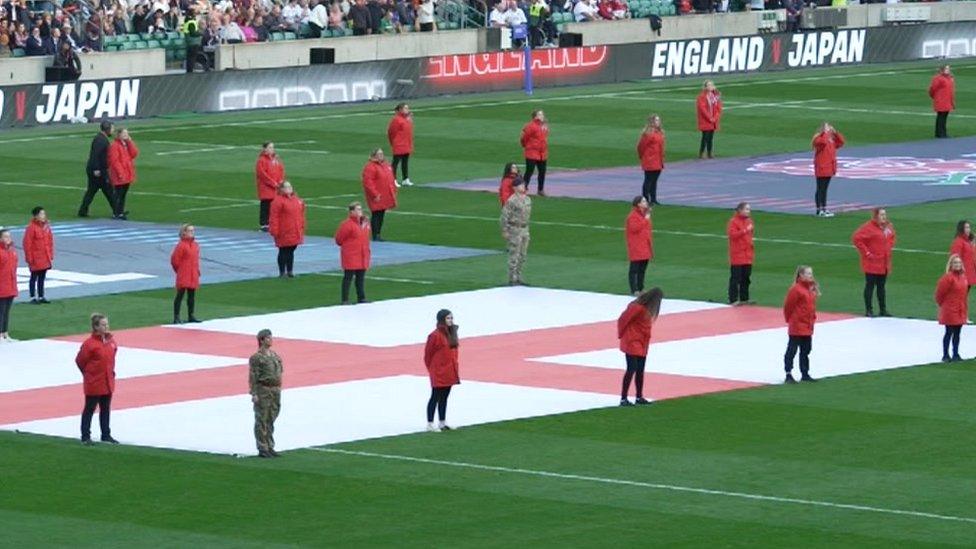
[31,105]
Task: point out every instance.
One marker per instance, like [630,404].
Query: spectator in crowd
[20,37]
[291,15]
[337,21]
[38,253]
[497,16]
[362,22]
[173,20]
[93,40]
[318,19]
[405,13]
[5,49]
[274,22]
[261,33]
[140,19]
[426,22]
[542,30]
[376,14]
[68,35]
[607,9]
[35,44]
[231,32]
[68,59]
[52,43]
[794,12]
[211,36]
[585,11]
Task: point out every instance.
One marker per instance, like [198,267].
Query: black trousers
[37,279]
[636,275]
[286,259]
[635,371]
[438,399]
[315,31]
[397,160]
[120,192]
[97,183]
[264,213]
[872,281]
[739,282]
[940,124]
[952,333]
[347,277]
[706,142]
[104,404]
[6,303]
[804,344]
[191,301]
[820,197]
[376,222]
[649,189]
[530,167]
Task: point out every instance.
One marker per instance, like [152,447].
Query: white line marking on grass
[218,207]
[795,104]
[388,279]
[654,485]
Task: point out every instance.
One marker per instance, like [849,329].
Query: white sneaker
[397,183]
[431,428]
[407,182]
[828,213]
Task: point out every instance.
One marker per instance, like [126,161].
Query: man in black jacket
[97,170]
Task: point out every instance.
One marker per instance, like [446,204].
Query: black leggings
[951,333]
[941,119]
[636,275]
[191,296]
[37,282]
[376,222]
[438,399]
[820,197]
[286,259]
[650,186]
[635,371]
[805,345]
[120,192]
[347,277]
[872,281]
[739,282]
[5,304]
[530,166]
[706,142]
[264,213]
[104,404]
[405,158]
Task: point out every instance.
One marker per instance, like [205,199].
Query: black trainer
[884,312]
[807,378]
[869,313]
[193,320]
[87,442]
[945,358]
[109,439]
[956,358]
[625,402]
[789,379]
[642,401]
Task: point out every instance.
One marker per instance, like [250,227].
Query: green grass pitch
[828,465]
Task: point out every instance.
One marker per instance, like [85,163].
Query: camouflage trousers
[265,412]
[518,246]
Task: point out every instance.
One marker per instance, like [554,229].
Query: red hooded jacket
[441,360]
[942,90]
[535,140]
[951,294]
[709,112]
[352,237]
[96,360]
[505,189]
[400,134]
[269,172]
[640,243]
[287,220]
[741,248]
[650,150]
[634,329]
[39,246]
[825,145]
[963,247]
[379,186]
[186,264]
[8,272]
[121,162]
[800,309]
[875,244]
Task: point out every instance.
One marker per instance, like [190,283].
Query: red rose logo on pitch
[884,167]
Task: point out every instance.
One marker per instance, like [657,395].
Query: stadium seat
[172,34]
[18,52]
[145,36]
[153,44]
[276,36]
[140,45]
[125,46]
[179,54]
[290,35]
[170,55]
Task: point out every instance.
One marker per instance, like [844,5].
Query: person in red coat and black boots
[186,264]
[640,242]
[269,173]
[122,154]
[38,252]
[96,360]
[650,150]
[505,188]
[400,134]
[287,226]
[380,190]
[634,333]
[800,313]
[825,144]
[352,237]
[441,359]
[875,240]
[942,90]
[709,110]
[965,247]
[535,145]
[741,253]
[951,296]
[8,282]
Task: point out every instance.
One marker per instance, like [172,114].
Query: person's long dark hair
[452,330]
[651,299]
[961,229]
[508,169]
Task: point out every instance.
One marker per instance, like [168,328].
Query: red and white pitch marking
[356,372]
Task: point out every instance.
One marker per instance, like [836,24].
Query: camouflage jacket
[516,213]
[265,370]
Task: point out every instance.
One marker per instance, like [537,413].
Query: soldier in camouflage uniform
[515,230]
[265,383]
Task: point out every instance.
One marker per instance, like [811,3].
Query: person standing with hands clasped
[825,144]
[8,282]
[535,145]
[634,333]
[515,230]
[97,170]
[741,253]
[951,297]
[185,261]
[505,188]
[352,237]
[39,253]
[942,90]
[380,190]
[269,173]
[400,134]
[650,150]
[640,242]
[965,247]
[709,110]
[96,360]
[265,388]
[800,312]
[441,360]
[875,240]
[287,226]
[122,154]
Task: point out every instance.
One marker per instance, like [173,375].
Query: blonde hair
[184,227]
[650,123]
[949,263]
[354,205]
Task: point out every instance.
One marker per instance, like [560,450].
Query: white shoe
[407,182]
[397,183]
[431,428]
[828,213]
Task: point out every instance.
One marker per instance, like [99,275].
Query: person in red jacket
[825,144]
[505,188]
[38,252]
[875,240]
[942,90]
[122,154]
[535,144]
[269,173]
[800,313]
[441,360]
[185,260]
[287,226]
[352,237]
[741,253]
[951,296]
[650,150]
[400,134]
[634,333]
[964,245]
[380,190]
[96,360]
[709,109]
[640,242]
[8,282]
